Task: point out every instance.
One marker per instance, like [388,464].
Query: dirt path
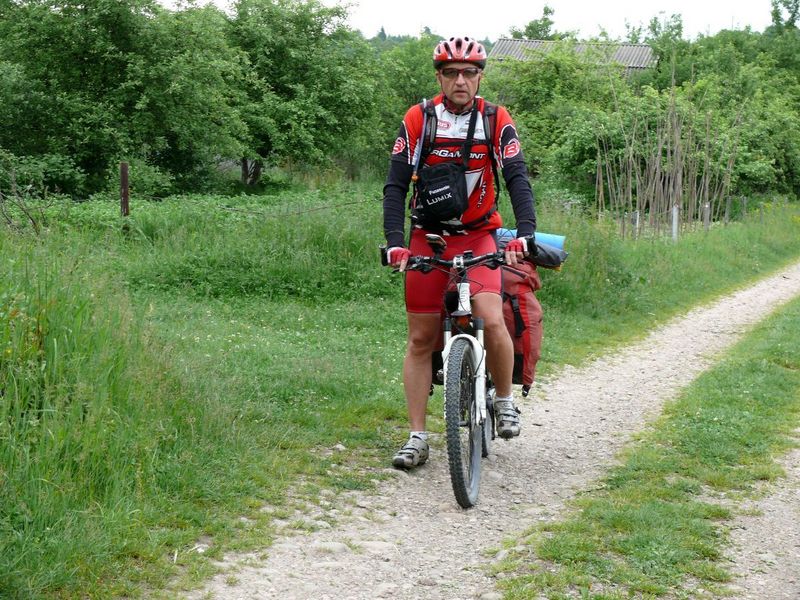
[411,540]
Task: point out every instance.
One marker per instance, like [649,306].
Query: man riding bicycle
[455,196]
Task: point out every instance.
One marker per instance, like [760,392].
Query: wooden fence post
[124,192]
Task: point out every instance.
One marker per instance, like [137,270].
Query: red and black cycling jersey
[450,136]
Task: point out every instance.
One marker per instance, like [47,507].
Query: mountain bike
[468,390]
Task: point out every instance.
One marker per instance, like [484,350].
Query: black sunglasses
[453,73]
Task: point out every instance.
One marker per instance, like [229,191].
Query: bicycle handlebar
[462,261]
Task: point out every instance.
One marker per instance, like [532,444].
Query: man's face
[459,82]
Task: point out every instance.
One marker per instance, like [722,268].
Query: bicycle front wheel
[464,434]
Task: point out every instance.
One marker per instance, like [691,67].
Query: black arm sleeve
[519,189]
[394,202]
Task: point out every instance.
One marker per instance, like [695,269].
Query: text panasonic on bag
[442,192]
[441,189]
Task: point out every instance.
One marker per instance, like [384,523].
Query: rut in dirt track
[412,541]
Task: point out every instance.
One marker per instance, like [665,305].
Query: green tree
[72,54]
[310,89]
[538,29]
[792,9]
[665,36]
[115,80]
[184,95]
[406,76]
[409,73]
[782,39]
[546,91]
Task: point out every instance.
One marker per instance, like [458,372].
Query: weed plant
[165,375]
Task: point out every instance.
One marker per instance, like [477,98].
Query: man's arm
[515,173]
[519,189]
[399,178]
[394,202]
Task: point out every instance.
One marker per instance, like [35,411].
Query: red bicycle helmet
[458,49]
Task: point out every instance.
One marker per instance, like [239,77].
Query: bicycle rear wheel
[464,434]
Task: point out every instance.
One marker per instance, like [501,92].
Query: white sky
[494,18]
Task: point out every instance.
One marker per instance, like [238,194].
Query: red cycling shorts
[425,291]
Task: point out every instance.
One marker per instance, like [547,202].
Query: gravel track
[410,540]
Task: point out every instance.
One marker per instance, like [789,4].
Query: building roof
[633,57]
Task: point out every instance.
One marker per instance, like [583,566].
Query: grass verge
[654,529]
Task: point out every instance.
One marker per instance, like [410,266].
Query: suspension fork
[476,341]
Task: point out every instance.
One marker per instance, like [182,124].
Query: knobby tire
[464,434]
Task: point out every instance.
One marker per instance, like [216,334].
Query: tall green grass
[317,246]
[164,377]
[109,462]
[73,450]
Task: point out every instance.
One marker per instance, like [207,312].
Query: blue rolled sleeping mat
[550,253]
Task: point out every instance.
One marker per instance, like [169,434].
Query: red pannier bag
[523,316]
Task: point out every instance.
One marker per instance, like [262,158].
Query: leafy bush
[53,172]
